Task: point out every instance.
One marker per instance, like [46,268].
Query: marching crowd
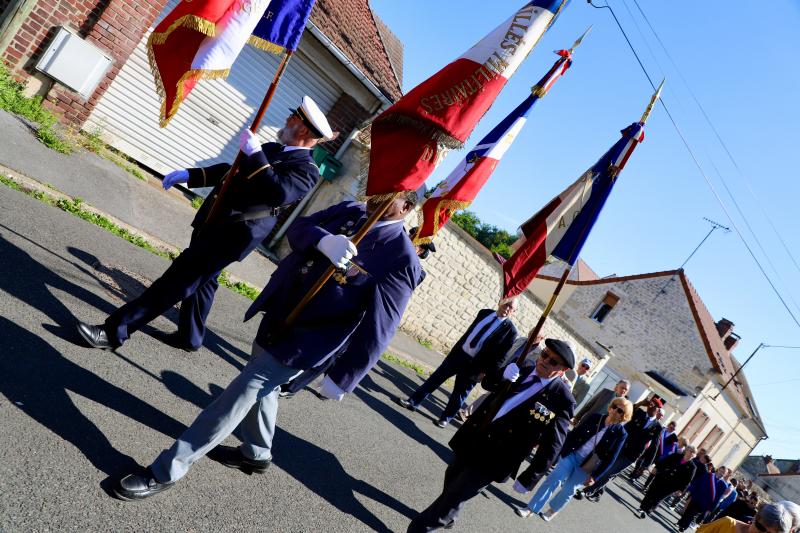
[529,411]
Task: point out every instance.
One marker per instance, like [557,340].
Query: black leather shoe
[440,423]
[138,487]
[176,340]
[233,458]
[95,336]
[405,402]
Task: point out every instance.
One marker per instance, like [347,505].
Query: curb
[28,184]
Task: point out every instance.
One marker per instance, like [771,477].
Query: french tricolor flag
[461,187]
[410,138]
[560,229]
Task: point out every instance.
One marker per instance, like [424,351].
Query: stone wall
[645,332]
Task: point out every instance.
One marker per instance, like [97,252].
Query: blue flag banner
[281,26]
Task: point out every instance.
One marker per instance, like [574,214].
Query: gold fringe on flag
[451,206]
[267,46]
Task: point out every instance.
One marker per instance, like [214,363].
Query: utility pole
[714,226]
[761,345]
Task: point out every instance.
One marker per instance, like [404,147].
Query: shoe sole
[133,498]
[249,470]
[92,344]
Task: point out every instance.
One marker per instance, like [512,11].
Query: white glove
[338,249]
[519,487]
[176,176]
[249,143]
[331,390]
[511,372]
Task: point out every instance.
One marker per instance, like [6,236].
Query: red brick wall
[345,115]
[115,26]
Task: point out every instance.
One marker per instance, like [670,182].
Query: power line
[700,168]
[718,136]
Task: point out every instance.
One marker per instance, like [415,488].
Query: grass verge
[76,207]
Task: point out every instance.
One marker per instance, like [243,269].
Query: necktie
[476,339]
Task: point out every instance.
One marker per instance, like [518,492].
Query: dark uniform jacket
[266,180]
[597,404]
[493,352]
[361,309]
[502,445]
[639,436]
[672,474]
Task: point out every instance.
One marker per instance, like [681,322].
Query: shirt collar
[381,223]
[289,148]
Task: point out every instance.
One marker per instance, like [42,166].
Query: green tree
[495,239]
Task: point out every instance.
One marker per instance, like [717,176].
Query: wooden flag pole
[216,206]
[373,218]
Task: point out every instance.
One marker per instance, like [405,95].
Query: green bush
[495,239]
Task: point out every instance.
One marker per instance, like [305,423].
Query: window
[605,307]
[712,439]
[695,426]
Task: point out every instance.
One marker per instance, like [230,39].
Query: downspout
[11,20]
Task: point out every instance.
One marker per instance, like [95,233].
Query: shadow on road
[37,379]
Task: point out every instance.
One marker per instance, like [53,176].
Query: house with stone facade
[779,478]
[660,335]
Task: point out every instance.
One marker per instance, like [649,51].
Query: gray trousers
[251,400]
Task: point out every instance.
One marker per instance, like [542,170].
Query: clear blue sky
[741,63]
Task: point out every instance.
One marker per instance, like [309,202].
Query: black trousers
[654,495]
[191,279]
[693,512]
[457,363]
[463,480]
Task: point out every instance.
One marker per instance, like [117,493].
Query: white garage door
[206,128]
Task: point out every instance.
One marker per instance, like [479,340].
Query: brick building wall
[115,26]
[345,115]
[646,333]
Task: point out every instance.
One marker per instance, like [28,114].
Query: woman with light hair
[588,451]
[771,518]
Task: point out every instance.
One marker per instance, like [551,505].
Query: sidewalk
[146,206]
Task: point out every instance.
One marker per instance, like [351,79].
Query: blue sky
[741,64]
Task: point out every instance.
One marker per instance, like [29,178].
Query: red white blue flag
[410,138]
[560,229]
[282,25]
[461,187]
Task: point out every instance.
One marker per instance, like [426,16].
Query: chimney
[724,328]
[731,341]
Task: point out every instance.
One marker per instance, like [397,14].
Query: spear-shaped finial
[652,103]
[577,43]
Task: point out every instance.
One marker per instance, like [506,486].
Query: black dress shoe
[95,336]
[176,340]
[233,458]
[139,486]
[405,402]
[440,423]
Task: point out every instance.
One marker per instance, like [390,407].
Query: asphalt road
[73,419]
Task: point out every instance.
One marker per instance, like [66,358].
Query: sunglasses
[585,366]
[551,360]
[618,409]
[759,526]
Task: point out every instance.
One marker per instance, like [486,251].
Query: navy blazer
[265,180]
[361,311]
[494,349]
[607,449]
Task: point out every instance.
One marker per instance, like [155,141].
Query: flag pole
[373,218]
[497,403]
[215,207]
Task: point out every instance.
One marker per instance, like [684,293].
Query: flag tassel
[215,207]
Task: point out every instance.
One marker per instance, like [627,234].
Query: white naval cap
[314,119]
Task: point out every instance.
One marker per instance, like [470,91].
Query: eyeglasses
[585,366]
[759,526]
[618,409]
[550,360]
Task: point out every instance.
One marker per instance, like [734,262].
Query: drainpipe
[11,20]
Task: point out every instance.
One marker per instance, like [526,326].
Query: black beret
[561,349]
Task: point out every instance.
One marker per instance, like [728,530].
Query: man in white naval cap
[270,177]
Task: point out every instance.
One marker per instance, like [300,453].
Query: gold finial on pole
[577,43]
[652,103]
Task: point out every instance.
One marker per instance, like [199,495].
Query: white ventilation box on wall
[74,62]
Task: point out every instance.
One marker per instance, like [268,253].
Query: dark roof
[351,26]
[667,383]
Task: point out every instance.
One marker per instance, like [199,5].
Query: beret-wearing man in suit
[361,306]
[535,412]
[481,350]
[271,176]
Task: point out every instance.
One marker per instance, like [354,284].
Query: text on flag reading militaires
[489,70]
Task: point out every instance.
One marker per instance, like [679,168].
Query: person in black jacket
[480,351]
[535,412]
[270,176]
[588,452]
[643,432]
[672,474]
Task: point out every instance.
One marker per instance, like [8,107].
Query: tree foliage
[495,239]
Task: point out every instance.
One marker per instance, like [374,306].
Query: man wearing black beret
[535,412]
